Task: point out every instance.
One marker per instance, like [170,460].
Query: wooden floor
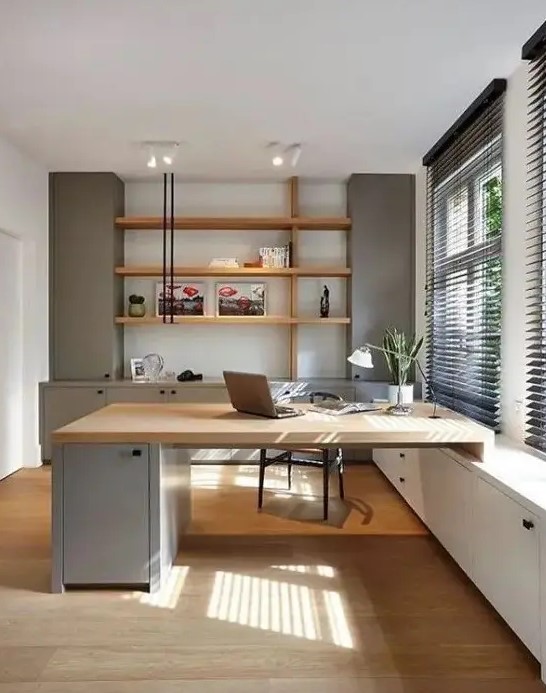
[270,602]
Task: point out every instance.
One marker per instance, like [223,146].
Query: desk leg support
[117,514]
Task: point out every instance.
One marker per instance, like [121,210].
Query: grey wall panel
[85,293]
[381,250]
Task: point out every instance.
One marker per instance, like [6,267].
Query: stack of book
[224,262]
[276,257]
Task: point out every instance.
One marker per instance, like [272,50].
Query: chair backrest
[322,395]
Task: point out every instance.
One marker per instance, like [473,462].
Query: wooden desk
[121,475]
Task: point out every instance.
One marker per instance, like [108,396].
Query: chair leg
[289,470]
[325,482]
[339,461]
[261,479]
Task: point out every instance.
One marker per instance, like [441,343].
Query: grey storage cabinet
[61,405]
[106,528]
[381,249]
[85,247]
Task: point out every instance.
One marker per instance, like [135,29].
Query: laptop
[250,394]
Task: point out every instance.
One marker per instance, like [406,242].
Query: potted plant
[137,307]
[400,353]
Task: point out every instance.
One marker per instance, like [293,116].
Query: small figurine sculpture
[325,303]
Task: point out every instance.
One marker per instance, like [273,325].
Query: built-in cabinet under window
[493,538]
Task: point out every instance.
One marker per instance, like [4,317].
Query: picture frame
[188,298]
[241,299]
[138,372]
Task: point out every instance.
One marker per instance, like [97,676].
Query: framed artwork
[240,298]
[188,298]
[138,373]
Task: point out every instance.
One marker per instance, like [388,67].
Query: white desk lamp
[362,357]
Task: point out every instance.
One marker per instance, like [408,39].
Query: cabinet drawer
[198,395]
[136,393]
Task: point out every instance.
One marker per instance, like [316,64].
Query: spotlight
[295,152]
[275,150]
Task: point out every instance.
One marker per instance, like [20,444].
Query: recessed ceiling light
[152,163]
[277,160]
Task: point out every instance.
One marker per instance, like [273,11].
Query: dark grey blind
[536,247]
[464,260]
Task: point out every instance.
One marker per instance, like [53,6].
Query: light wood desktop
[121,475]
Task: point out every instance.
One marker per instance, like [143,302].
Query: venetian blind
[535,51]
[464,260]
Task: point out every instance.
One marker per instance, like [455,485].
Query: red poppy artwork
[240,299]
[186,298]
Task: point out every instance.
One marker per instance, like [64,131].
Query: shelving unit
[293,224]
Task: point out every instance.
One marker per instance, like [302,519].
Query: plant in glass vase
[400,352]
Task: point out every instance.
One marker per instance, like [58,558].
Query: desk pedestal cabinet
[495,540]
[118,512]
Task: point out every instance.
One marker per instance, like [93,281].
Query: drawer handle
[136,453]
[402,479]
[173,392]
[162,392]
[402,454]
[107,375]
[528,524]
[100,392]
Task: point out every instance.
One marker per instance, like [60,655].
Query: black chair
[326,461]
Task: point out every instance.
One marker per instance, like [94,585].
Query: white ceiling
[365,85]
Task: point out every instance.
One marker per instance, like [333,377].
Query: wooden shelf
[157,271]
[223,320]
[236,223]
[322,321]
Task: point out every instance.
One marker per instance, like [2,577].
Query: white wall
[515,194]
[24,214]
[513,327]
[209,349]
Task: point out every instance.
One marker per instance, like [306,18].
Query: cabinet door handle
[528,524]
[402,454]
[173,392]
[402,479]
[136,453]
[107,375]
[162,392]
[100,392]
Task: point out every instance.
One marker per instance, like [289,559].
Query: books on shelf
[276,257]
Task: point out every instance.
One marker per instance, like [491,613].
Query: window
[464,260]
[535,51]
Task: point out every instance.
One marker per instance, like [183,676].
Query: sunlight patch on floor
[168,595]
[321,570]
[280,606]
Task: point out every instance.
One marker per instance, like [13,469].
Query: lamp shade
[361,357]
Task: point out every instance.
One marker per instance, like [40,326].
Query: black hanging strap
[164,247]
[172,246]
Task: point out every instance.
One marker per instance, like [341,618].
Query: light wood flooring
[272,602]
